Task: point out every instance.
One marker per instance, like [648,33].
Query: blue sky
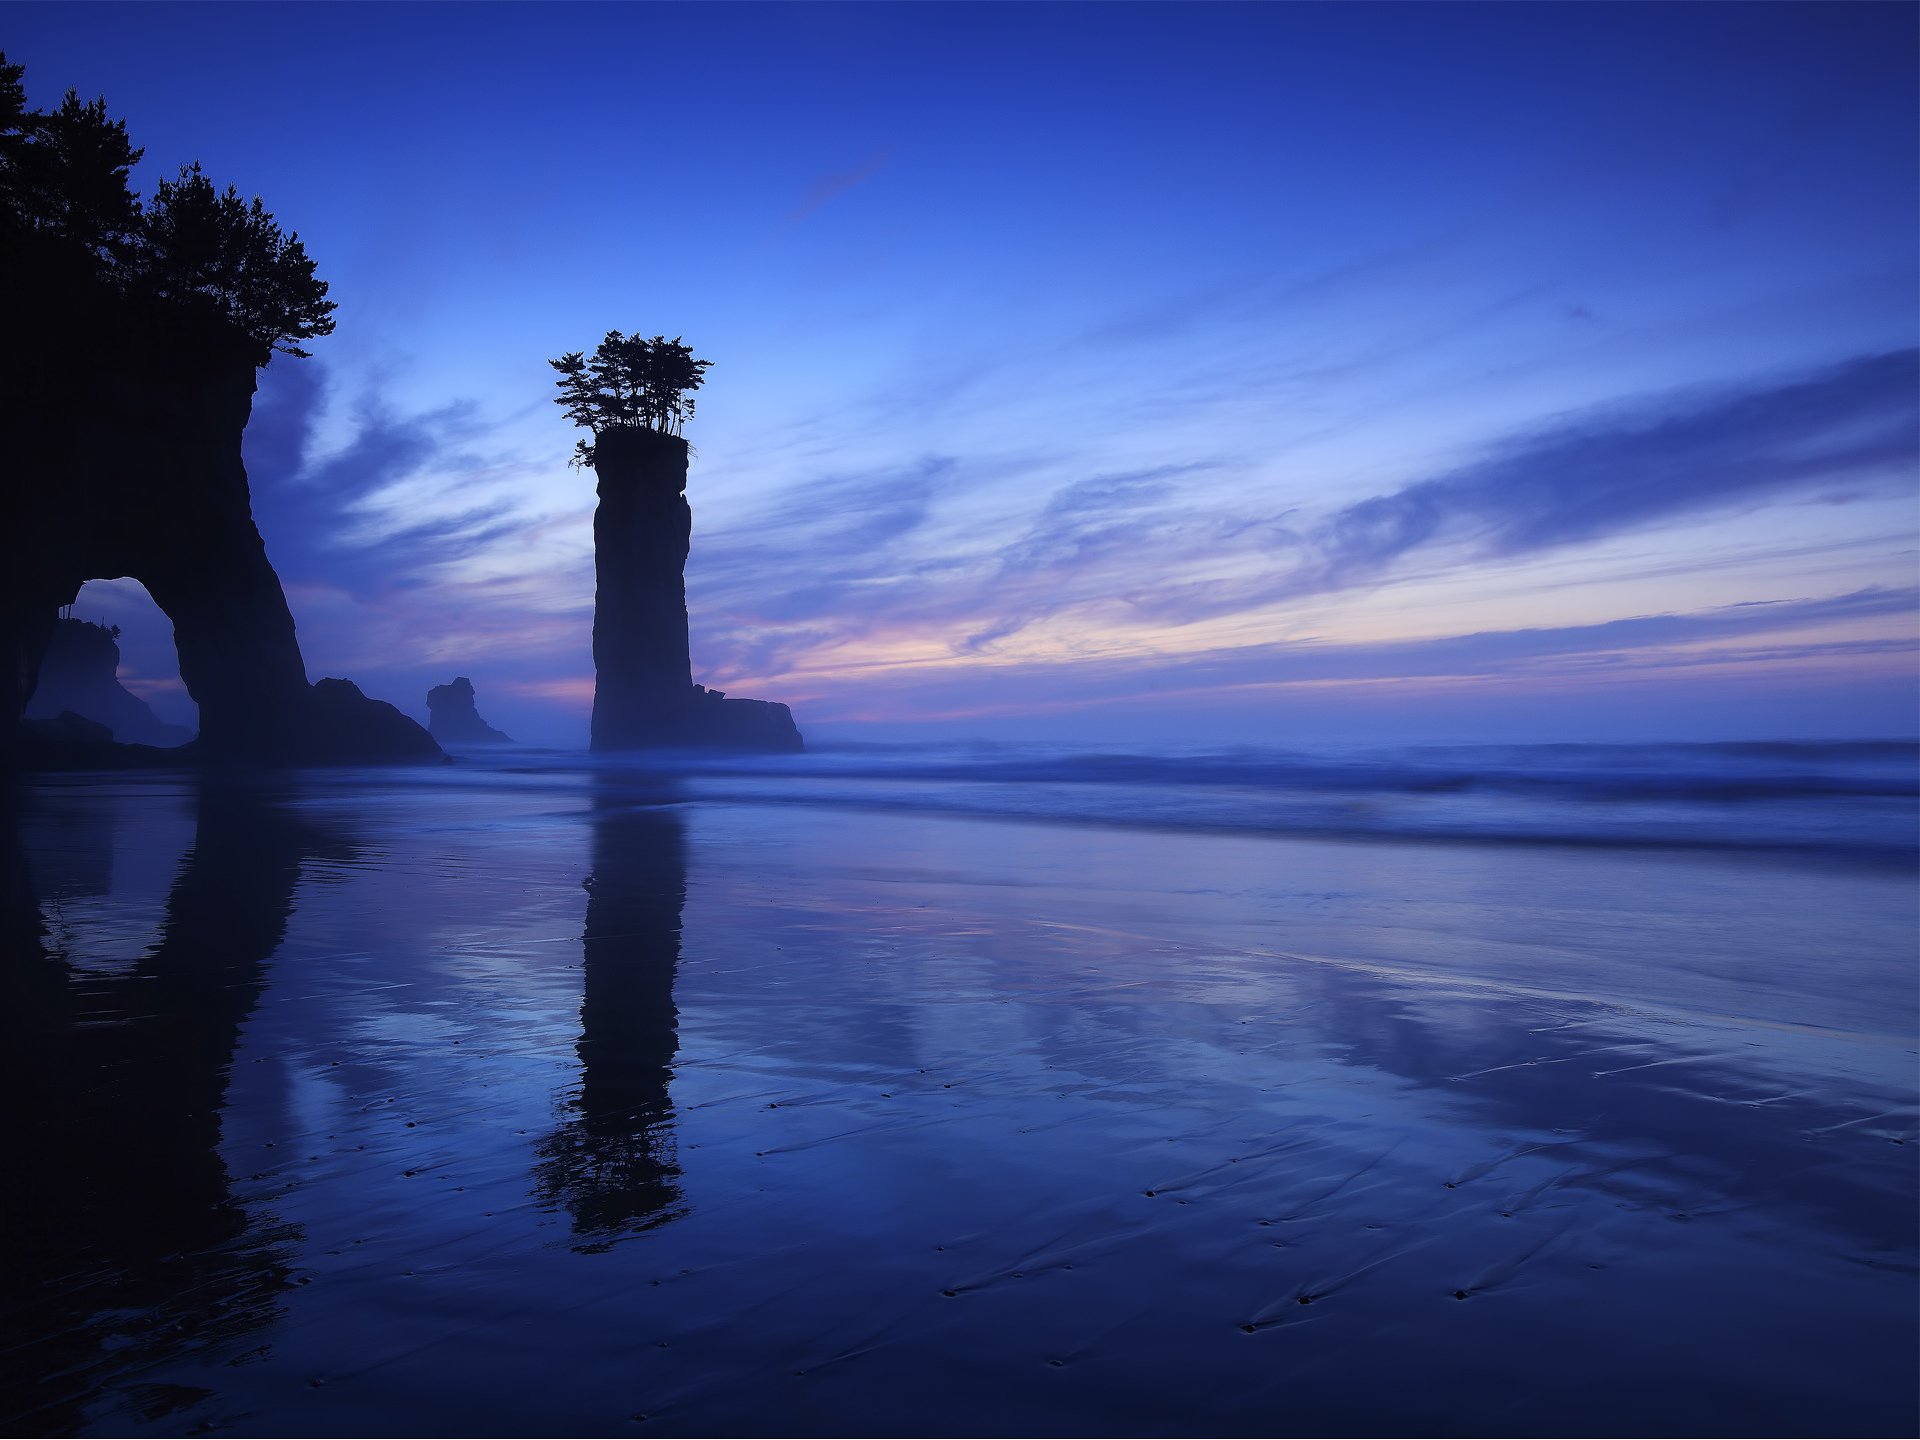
[1273,372]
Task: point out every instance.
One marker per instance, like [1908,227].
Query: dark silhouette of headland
[634,394]
[127,370]
[128,367]
[454,719]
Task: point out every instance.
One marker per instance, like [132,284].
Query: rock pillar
[642,531]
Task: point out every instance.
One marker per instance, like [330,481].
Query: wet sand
[376,1104]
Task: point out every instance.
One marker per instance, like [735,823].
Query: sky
[1239,373]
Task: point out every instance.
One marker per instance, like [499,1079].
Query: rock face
[642,531]
[716,723]
[644,695]
[344,726]
[73,742]
[453,720]
[146,480]
[79,673]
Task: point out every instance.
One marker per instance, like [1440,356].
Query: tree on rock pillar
[634,394]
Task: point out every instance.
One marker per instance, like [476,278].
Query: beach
[935,1092]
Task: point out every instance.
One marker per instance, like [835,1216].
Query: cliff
[130,465]
[80,673]
[453,719]
[644,695]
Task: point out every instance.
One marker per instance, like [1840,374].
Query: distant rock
[453,720]
[715,722]
[68,728]
[80,673]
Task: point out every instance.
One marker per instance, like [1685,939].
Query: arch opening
[111,659]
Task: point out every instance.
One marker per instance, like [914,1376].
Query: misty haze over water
[1853,799]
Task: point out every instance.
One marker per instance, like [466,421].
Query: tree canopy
[193,258]
[629,382]
[208,250]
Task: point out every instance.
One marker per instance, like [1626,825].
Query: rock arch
[146,481]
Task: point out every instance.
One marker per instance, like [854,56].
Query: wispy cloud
[414,543]
[1871,626]
[934,560]
[1603,473]
[1596,475]
[836,183]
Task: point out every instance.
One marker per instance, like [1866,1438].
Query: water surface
[968,1092]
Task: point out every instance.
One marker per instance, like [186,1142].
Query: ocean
[969,1089]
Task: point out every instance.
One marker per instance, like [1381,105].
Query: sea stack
[634,394]
[642,531]
[453,718]
[644,695]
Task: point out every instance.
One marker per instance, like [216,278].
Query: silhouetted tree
[214,256]
[77,241]
[67,212]
[13,106]
[628,382]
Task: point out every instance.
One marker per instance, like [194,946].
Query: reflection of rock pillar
[642,530]
[629,1027]
[611,1164]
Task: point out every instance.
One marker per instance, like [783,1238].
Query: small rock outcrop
[452,718]
[345,726]
[80,673]
[644,695]
[716,722]
[73,742]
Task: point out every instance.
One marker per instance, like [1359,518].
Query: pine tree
[213,255]
[628,383]
[81,249]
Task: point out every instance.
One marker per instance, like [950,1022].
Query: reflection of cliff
[124,1246]
[80,672]
[644,693]
[612,1163]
